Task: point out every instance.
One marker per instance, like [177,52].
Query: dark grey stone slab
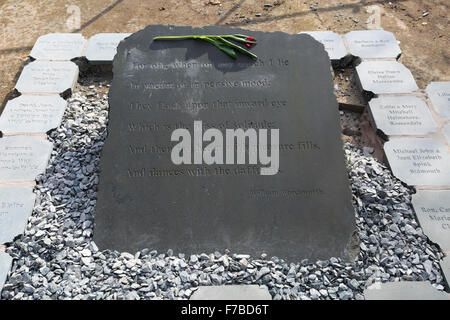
[333,43]
[369,44]
[23,158]
[381,77]
[48,77]
[145,200]
[432,209]
[232,292]
[439,94]
[58,46]
[32,114]
[102,47]
[5,266]
[16,206]
[404,290]
[419,161]
[402,115]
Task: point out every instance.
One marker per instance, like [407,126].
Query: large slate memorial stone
[146,201]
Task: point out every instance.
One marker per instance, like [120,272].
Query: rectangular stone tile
[419,161]
[232,292]
[48,77]
[433,212]
[16,206]
[404,290]
[381,77]
[367,44]
[446,132]
[402,115]
[333,43]
[32,114]
[439,94]
[5,266]
[102,47]
[23,158]
[58,46]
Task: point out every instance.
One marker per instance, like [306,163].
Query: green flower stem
[220,42]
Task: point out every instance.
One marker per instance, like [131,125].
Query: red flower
[250,38]
[248,45]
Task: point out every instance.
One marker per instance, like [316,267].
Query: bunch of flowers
[222,42]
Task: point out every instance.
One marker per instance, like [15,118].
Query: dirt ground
[421,26]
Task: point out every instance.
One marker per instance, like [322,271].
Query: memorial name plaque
[103,47]
[332,42]
[381,77]
[368,44]
[16,206]
[23,158]
[5,266]
[32,114]
[402,115]
[419,161]
[206,153]
[439,94]
[432,209]
[58,46]
[446,131]
[48,77]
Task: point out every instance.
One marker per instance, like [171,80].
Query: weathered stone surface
[232,292]
[433,212]
[102,47]
[419,161]
[23,158]
[445,266]
[16,206]
[48,77]
[58,46]
[439,94]
[385,77]
[402,115]
[332,42]
[32,114]
[372,44]
[5,266]
[303,211]
[404,290]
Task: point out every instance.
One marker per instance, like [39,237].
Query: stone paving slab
[439,94]
[32,114]
[16,206]
[23,158]
[58,46]
[48,77]
[102,47]
[446,131]
[402,115]
[445,266]
[381,77]
[232,292]
[5,266]
[419,161]
[404,290]
[333,43]
[432,209]
[369,44]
